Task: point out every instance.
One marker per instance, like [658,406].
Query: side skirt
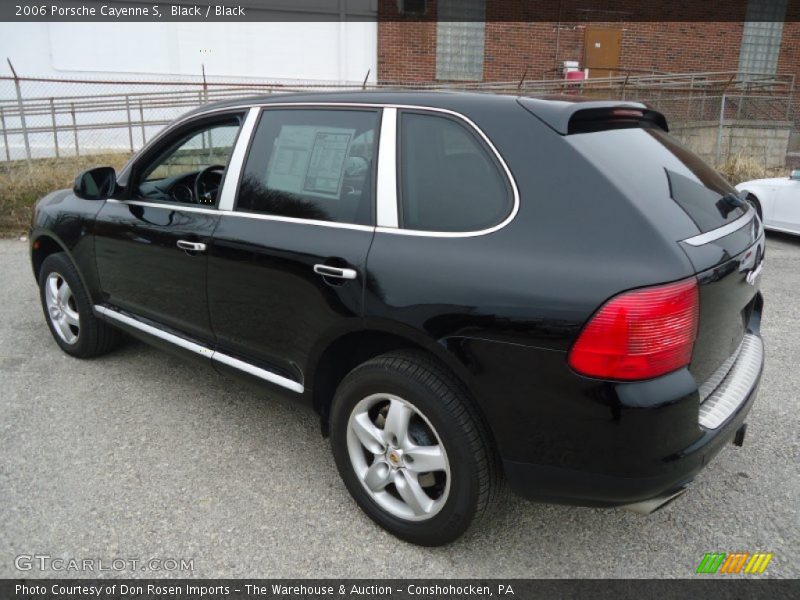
[779,229]
[114,316]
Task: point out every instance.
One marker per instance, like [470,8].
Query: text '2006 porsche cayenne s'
[468,289]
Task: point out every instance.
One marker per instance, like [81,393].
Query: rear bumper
[569,486]
[573,440]
[660,478]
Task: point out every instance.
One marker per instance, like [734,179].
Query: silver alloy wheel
[398,456]
[61,308]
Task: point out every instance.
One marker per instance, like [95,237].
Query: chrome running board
[214,355]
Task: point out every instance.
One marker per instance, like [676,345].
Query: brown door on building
[601,51]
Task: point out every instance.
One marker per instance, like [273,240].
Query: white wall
[323,51]
[313,44]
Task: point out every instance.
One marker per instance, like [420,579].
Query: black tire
[93,336]
[755,204]
[441,398]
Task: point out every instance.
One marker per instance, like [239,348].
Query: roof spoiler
[572,116]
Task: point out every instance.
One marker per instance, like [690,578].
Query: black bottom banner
[398,589]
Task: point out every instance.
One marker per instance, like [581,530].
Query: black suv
[465,287]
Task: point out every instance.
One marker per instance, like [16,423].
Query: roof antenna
[364,85]
[522,79]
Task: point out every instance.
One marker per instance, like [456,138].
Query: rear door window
[312,164]
[448,179]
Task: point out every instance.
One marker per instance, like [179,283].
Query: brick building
[502,40]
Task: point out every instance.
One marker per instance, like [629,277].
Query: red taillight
[640,334]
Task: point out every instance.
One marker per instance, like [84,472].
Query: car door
[286,264]
[151,240]
[786,210]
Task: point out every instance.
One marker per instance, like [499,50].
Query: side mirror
[96,184]
[795,175]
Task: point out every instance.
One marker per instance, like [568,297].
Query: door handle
[338,272]
[191,246]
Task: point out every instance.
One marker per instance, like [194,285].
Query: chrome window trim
[509,178]
[367,105]
[167,205]
[227,195]
[720,232]
[213,355]
[168,129]
[242,214]
[299,221]
[386,187]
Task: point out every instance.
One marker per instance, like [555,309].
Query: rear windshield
[652,162]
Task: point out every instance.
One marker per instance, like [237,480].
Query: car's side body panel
[144,272]
[787,206]
[68,221]
[265,300]
[779,199]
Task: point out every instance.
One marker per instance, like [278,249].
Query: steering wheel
[206,191]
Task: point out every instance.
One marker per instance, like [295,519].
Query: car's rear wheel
[411,449]
[68,310]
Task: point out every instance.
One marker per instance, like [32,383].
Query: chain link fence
[50,129]
[53,118]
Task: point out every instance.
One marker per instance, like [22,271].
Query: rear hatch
[688,200]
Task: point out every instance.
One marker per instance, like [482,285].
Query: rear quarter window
[654,167]
[448,180]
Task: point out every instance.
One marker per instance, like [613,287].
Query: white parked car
[777,201]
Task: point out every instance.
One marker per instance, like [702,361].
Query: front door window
[190,168]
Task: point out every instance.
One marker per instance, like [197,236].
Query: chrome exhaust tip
[646,507]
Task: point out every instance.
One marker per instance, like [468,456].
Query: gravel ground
[139,455]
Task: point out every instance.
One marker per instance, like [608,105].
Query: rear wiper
[730,202]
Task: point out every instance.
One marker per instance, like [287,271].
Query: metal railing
[47,117]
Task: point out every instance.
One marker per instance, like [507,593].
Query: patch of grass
[23,183]
[744,168]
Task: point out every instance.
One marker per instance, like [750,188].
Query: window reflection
[255,196]
[312,164]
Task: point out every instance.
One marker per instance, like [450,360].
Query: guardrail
[43,117]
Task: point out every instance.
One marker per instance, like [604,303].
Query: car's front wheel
[753,201]
[68,310]
[411,449]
